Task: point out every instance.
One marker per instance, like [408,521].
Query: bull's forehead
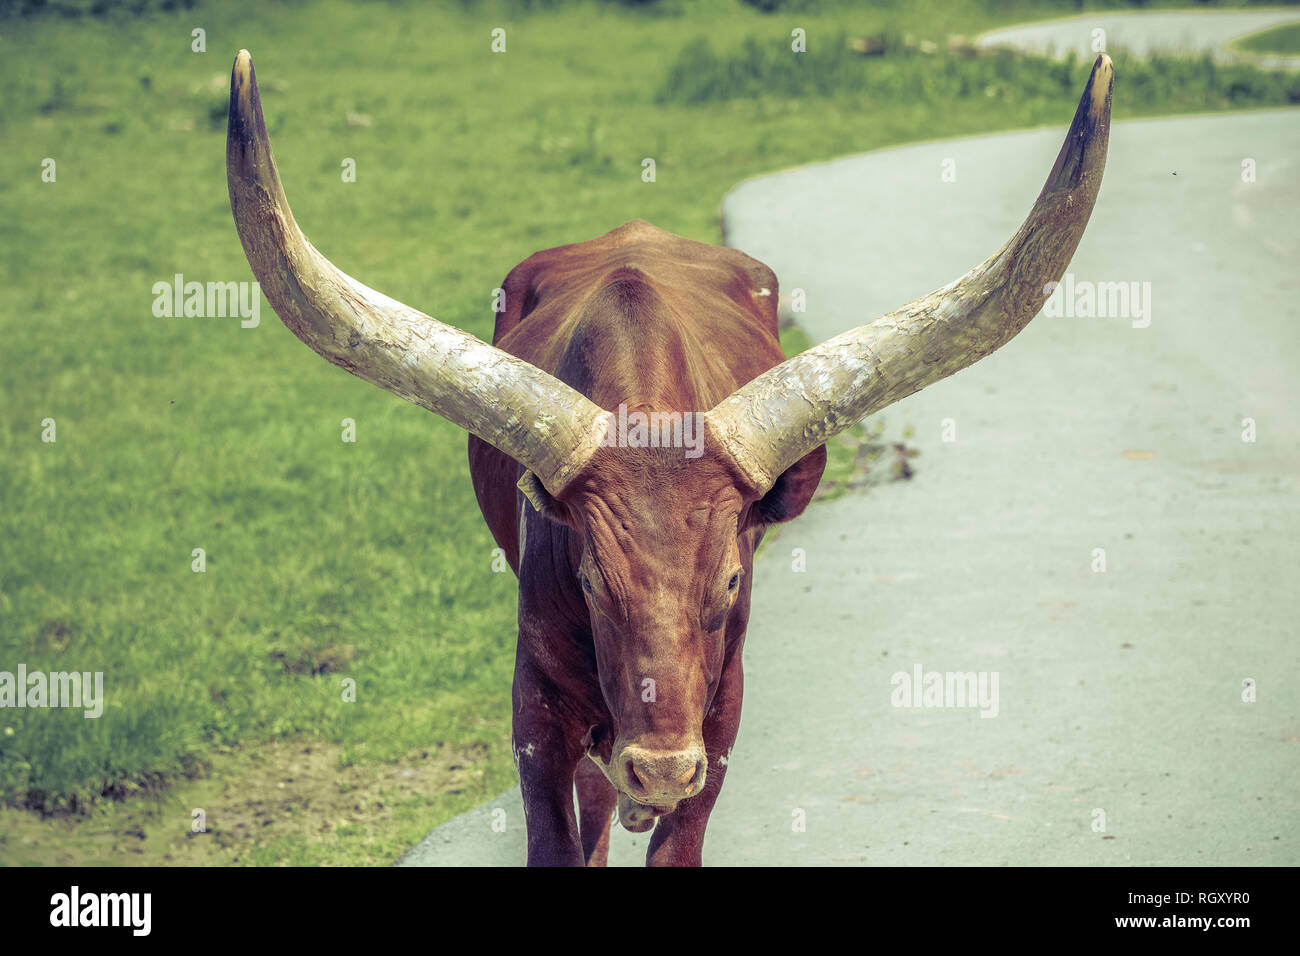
[663,526]
[659,492]
[662,517]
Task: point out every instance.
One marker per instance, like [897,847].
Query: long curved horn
[530,415]
[771,422]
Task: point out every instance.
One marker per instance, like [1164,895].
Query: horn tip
[1100,85]
[241,74]
[245,126]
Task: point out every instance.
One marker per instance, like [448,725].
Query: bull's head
[662,567]
[666,546]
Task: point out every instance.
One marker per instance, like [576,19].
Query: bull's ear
[792,491]
[542,500]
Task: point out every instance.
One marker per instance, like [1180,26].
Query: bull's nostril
[661,775]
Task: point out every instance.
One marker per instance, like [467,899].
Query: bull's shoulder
[677,267]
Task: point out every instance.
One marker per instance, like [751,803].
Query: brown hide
[647,319]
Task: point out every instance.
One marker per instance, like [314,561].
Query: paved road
[1143,33]
[1118,692]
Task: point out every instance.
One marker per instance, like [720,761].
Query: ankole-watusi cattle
[633,533]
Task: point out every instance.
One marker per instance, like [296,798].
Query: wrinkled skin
[641,572]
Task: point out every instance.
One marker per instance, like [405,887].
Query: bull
[634,558]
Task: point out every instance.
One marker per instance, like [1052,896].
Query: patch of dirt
[314,661]
[282,791]
[875,461]
[305,789]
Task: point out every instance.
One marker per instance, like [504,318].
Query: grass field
[1283,40]
[364,561]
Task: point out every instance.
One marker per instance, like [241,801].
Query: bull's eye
[735,580]
[586,584]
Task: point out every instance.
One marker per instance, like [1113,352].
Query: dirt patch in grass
[303,658]
[861,456]
[285,803]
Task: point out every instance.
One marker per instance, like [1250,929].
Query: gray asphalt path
[1119,692]
[1186,31]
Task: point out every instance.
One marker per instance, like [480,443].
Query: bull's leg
[678,839]
[547,754]
[596,799]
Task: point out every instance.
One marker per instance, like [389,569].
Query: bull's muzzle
[661,778]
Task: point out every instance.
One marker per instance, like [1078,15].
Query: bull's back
[637,316]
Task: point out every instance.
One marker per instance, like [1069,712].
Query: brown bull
[633,535]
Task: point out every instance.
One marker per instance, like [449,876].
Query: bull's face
[667,545]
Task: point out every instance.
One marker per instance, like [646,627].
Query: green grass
[902,72]
[328,560]
[1281,40]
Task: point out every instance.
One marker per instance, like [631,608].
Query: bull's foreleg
[547,753]
[678,839]
[596,799]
